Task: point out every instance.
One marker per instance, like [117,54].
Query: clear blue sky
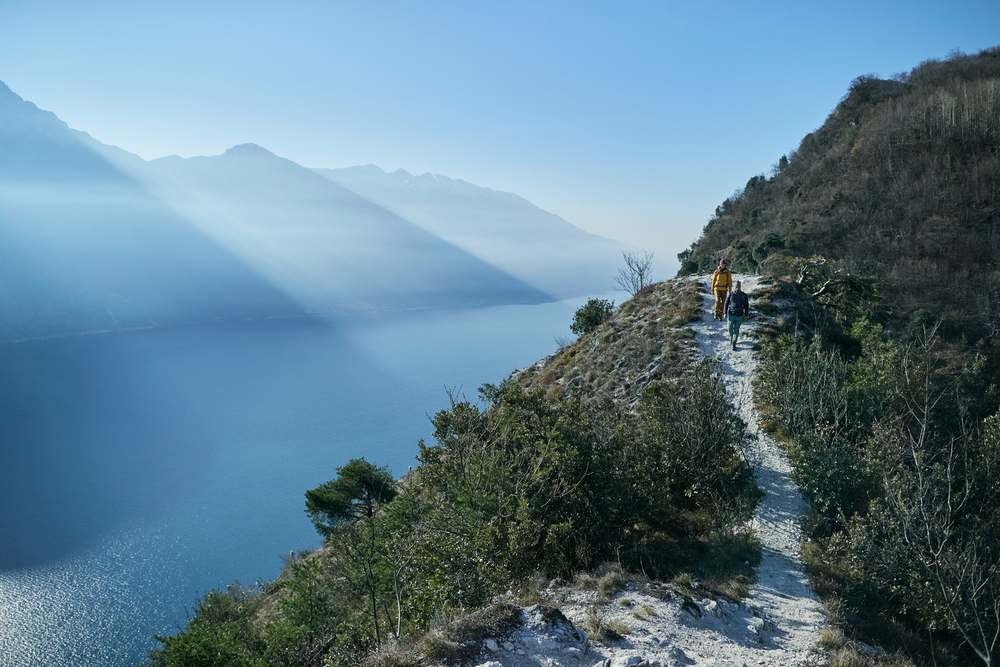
[633,120]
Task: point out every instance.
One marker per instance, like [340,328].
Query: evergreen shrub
[591,315]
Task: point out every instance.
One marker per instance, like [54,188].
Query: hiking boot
[734,343]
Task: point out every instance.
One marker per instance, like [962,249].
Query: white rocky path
[782,591]
[778,625]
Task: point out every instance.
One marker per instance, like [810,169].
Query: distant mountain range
[498,227]
[95,238]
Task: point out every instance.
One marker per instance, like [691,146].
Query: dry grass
[647,338]
[644,613]
[850,656]
[585,581]
[394,654]
[601,629]
[684,580]
[439,647]
[607,580]
[611,584]
[454,638]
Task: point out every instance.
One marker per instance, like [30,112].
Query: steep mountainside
[94,238]
[84,246]
[326,246]
[901,183]
[498,227]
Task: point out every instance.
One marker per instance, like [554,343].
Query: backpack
[739,304]
[717,277]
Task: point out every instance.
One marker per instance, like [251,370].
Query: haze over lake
[147,467]
[188,345]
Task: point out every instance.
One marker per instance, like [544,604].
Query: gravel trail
[777,625]
[782,591]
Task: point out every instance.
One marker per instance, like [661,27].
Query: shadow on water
[99,431]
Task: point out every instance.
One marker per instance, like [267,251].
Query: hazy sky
[633,119]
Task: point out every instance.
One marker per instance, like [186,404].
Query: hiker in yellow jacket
[722,285]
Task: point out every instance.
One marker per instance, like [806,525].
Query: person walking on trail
[722,285]
[737,308]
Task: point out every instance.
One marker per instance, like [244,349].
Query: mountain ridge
[899,184]
[499,227]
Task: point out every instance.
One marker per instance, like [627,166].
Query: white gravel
[782,592]
[778,625]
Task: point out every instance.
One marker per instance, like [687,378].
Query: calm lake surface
[142,469]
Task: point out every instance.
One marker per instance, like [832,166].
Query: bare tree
[635,274]
[959,563]
[930,497]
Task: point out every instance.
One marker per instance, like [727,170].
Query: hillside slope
[779,623]
[901,183]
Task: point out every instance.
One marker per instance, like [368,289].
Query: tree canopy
[359,490]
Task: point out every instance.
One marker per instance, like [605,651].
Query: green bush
[529,480]
[218,634]
[831,475]
[693,444]
[886,447]
[592,315]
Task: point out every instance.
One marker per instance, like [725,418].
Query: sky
[632,120]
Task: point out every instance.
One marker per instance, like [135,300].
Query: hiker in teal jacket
[737,308]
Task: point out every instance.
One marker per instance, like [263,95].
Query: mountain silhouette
[501,228]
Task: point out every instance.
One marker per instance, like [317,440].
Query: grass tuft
[603,630]
[644,612]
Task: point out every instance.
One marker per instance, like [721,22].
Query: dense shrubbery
[687,434]
[512,486]
[886,219]
[902,465]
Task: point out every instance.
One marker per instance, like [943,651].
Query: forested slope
[901,183]
[883,230]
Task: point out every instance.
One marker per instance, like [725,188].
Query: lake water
[142,469]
